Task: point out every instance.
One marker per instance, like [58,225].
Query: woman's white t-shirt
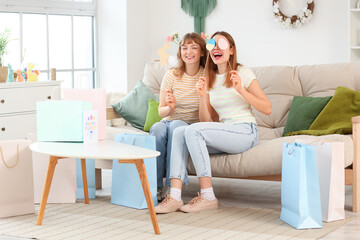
[228,103]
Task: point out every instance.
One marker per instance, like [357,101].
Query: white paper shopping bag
[16,178]
[330,157]
[63,185]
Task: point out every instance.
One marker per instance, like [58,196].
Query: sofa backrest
[281,84]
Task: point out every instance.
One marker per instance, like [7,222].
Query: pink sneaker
[199,204]
[169,205]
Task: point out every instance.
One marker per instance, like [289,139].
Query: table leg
[49,175]
[145,184]
[83,170]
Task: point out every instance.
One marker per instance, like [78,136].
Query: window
[60,39]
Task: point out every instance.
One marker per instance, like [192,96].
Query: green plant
[4,40]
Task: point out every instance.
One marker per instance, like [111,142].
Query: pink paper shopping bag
[330,157]
[98,99]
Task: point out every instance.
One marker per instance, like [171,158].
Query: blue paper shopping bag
[90,177]
[126,189]
[300,192]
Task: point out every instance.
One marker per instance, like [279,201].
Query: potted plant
[4,40]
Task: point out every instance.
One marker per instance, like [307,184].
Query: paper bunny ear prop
[222,44]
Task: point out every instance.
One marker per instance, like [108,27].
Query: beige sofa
[281,84]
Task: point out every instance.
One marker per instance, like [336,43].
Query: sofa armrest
[111,114]
[356,163]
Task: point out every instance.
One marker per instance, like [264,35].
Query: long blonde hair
[189,38]
[211,67]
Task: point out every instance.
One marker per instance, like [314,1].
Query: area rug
[102,220]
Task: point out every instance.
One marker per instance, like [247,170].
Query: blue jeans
[204,138]
[163,132]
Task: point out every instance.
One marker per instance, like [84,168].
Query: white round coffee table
[101,150]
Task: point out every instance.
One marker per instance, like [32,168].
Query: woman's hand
[236,80]
[201,86]
[170,99]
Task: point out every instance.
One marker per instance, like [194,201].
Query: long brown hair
[211,67]
[189,38]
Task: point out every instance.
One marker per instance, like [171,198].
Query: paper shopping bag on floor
[63,184]
[16,178]
[126,189]
[98,99]
[300,193]
[331,164]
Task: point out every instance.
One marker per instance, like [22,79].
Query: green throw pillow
[303,111]
[133,108]
[152,116]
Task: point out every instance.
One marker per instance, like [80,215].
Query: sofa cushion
[133,108]
[303,111]
[153,75]
[152,115]
[323,79]
[266,157]
[336,116]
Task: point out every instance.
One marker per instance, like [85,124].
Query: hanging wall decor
[199,9]
[296,20]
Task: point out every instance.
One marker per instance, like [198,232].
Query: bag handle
[293,147]
[3,159]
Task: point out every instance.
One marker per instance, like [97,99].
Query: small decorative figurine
[10,77]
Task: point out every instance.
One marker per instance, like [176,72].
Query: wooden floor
[257,194]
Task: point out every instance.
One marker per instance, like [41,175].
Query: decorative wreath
[295,20]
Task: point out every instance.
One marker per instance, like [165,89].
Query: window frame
[50,7]
[45,7]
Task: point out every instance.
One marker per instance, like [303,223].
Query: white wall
[260,41]
[112,51]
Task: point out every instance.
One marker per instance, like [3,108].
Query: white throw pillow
[153,75]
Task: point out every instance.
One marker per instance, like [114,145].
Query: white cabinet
[354,31]
[18,106]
